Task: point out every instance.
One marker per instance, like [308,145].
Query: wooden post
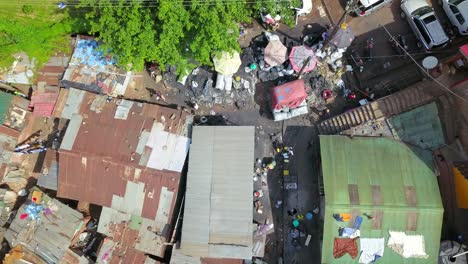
[299,75]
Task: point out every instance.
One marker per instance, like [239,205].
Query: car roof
[437,32]
[463,6]
[412,5]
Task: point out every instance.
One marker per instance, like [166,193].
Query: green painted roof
[391,181]
[5,101]
[420,126]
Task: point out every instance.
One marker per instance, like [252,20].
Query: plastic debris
[33,210]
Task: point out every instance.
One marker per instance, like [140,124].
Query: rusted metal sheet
[105,159]
[52,71]
[221,261]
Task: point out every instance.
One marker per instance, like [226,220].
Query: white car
[366,7]
[424,23]
[457,12]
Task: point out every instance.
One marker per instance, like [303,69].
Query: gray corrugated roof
[72,106]
[219,197]
[72,132]
[49,180]
[51,237]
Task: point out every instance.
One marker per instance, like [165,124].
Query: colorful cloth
[345,245]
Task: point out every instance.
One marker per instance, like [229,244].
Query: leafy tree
[189,33]
[125,27]
[37,29]
[215,27]
[172,32]
[173,20]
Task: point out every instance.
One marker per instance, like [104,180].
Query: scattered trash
[32,210]
[294,232]
[295,223]
[258,193]
[316,210]
[292,211]
[258,206]
[278,204]
[62,5]
[309,216]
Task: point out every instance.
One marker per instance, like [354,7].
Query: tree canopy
[169,32]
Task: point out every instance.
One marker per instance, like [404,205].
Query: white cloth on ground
[408,246]
[371,249]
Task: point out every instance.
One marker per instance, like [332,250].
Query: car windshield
[456,2]
[421,11]
[429,19]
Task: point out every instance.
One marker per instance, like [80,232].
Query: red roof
[290,95]
[43,103]
[9,132]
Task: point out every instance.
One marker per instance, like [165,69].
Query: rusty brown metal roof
[121,249]
[52,71]
[103,135]
[106,154]
[102,179]
[221,261]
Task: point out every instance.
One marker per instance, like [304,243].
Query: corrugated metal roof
[383,178]
[71,257]
[72,132]
[5,102]
[95,73]
[52,71]
[43,103]
[108,157]
[218,210]
[8,141]
[48,177]
[50,238]
[103,135]
[72,104]
[122,252]
[420,127]
[14,111]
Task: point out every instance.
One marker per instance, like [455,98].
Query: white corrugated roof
[219,197]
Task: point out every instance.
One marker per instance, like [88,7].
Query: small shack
[385,184]
[289,100]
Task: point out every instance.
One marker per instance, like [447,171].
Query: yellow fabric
[227,64]
[461,188]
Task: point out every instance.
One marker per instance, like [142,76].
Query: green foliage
[35,29]
[27,9]
[124,27]
[215,27]
[171,32]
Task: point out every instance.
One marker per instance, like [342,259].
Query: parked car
[424,23]
[365,7]
[457,12]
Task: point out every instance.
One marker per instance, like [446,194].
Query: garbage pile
[201,88]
